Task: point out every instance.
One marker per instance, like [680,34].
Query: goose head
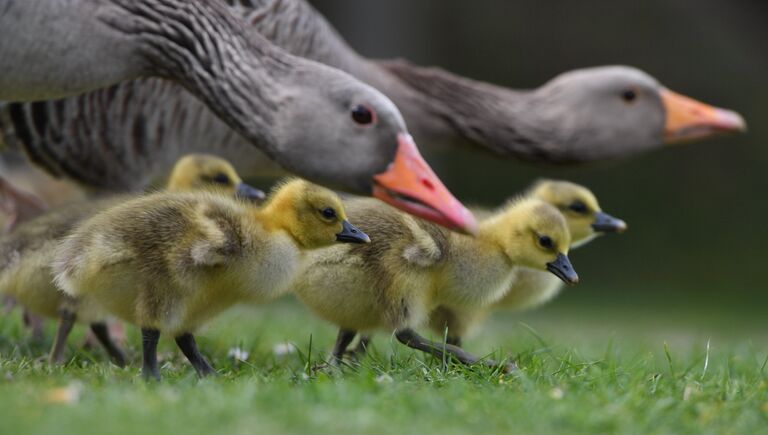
[616,110]
[364,144]
[312,215]
[582,212]
[534,234]
[205,171]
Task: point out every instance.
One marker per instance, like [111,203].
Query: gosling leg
[66,322]
[149,339]
[413,340]
[453,340]
[362,346]
[34,323]
[101,332]
[186,343]
[343,339]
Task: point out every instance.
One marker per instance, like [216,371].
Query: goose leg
[101,332]
[149,339]
[343,339]
[186,343]
[413,340]
[66,322]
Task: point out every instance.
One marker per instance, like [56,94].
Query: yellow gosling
[413,266]
[531,288]
[26,254]
[170,262]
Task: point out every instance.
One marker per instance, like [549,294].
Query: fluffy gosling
[414,266]
[26,253]
[170,262]
[531,288]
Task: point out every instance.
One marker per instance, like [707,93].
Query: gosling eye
[363,115]
[629,95]
[546,242]
[328,213]
[578,207]
[221,178]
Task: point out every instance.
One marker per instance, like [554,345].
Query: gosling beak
[563,269]
[249,193]
[351,234]
[605,223]
[410,185]
[688,119]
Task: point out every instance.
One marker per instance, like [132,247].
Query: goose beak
[351,234]
[563,269]
[249,193]
[410,185]
[605,223]
[688,119]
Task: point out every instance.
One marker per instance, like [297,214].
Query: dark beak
[563,269]
[351,234]
[605,223]
[249,193]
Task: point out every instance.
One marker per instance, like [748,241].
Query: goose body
[313,120]
[413,266]
[170,262]
[26,253]
[529,288]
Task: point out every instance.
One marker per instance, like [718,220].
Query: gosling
[170,262]
[26,253]
[413,266]
[531,288]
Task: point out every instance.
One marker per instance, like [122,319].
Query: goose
[529,287]
[313,120]
[582,115]
[412,266]
[27,252]
[171,261]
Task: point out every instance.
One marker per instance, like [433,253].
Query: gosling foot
[188,346]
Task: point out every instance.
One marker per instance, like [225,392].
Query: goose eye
[221,178]
[362,115]
[629,95]
[328,213]
[578,207]
[546,242]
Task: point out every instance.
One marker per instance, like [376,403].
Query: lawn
[584,368]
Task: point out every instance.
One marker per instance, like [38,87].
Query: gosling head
[205,171]
[314,216]
[536,235]
[579,205]
[619,110]
[340,132]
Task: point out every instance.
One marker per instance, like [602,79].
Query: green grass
[584,369]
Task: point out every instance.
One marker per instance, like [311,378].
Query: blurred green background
[697,212]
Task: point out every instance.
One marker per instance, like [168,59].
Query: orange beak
[410,185]
[688,119]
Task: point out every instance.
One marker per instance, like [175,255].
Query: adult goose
[583,115]
[313,120]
